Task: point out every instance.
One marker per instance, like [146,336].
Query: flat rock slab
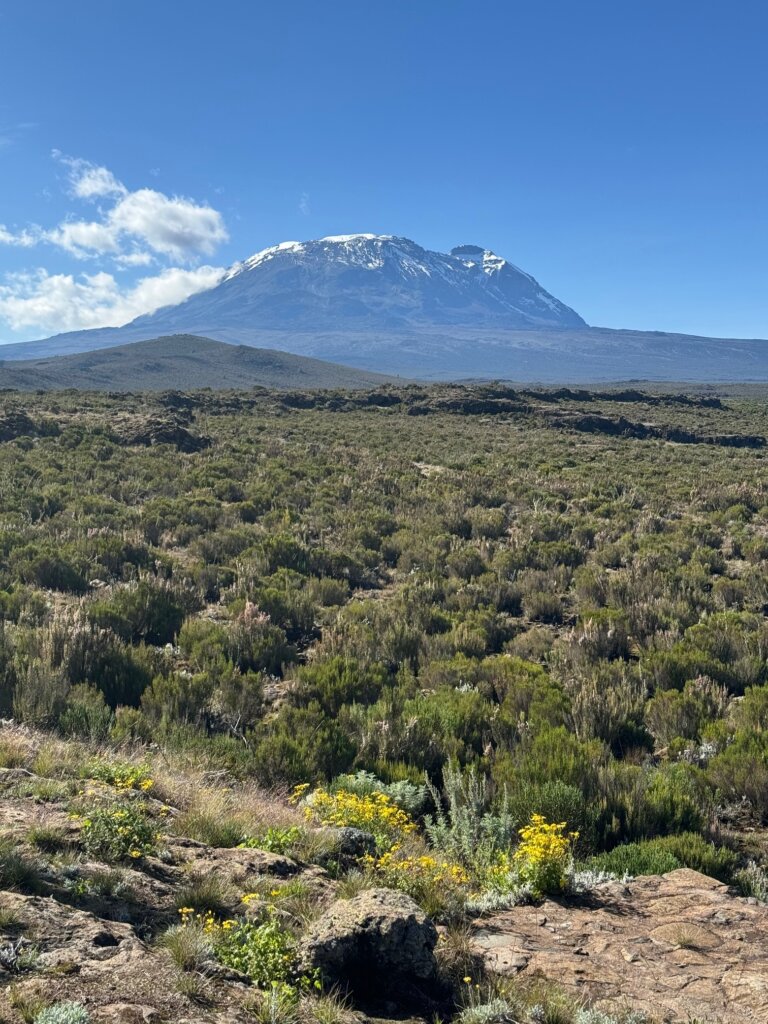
[676,946]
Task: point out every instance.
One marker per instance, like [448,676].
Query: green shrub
[264,951]
[17,869]
[86,714]
[275,839]
[122,831]
[147,611]
[657,856]
[753,881]
[740,771]
[336,682]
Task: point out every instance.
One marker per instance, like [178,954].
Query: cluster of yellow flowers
[376,813]
[123,775]
[397,867]
[206,922]
[544,855]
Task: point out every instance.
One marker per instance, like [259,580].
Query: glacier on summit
[378,281]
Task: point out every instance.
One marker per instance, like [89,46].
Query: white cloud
[63,302]
[304,206]
[134,230]
[170,226]
[174,226]
[25,238]
[135,259]
[82,238]
[89,181]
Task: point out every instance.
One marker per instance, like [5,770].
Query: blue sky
[616,150]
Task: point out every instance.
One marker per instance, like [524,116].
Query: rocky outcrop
[15,424]
[677,946]
[372,940]
[156,430]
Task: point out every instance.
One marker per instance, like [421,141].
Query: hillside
[181,362]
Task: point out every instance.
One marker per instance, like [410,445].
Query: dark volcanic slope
[181,362]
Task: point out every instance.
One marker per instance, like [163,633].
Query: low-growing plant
[98,883]
[456,956]
[118,832]
[753,881]
[205,892]
[409,796]
[295,899]
[15,751]
[63,1013]
[28,1003]
[17,869]
[46,790]
[439,886]
[667,853]
[279,1004]
[187,944]
[275,839]
[330,1007]
[213,819]
[47,838]
[263,950]
[123,775]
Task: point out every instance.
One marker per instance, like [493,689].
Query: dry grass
[327,1008]
[26,1001]
[187,945]
[60,759]
[455,956]
[206,890]
[225,817]
[17,749]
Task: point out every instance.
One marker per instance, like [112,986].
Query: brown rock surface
[676,946]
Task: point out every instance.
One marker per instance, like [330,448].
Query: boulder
[374,939]
[346,846]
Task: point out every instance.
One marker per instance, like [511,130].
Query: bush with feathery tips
[543,858]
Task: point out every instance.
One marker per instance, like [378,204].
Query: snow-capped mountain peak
[369,281]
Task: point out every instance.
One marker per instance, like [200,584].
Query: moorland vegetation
[518,645]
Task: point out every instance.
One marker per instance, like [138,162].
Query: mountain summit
[372,282]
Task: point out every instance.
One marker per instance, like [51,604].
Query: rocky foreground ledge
[678,947]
